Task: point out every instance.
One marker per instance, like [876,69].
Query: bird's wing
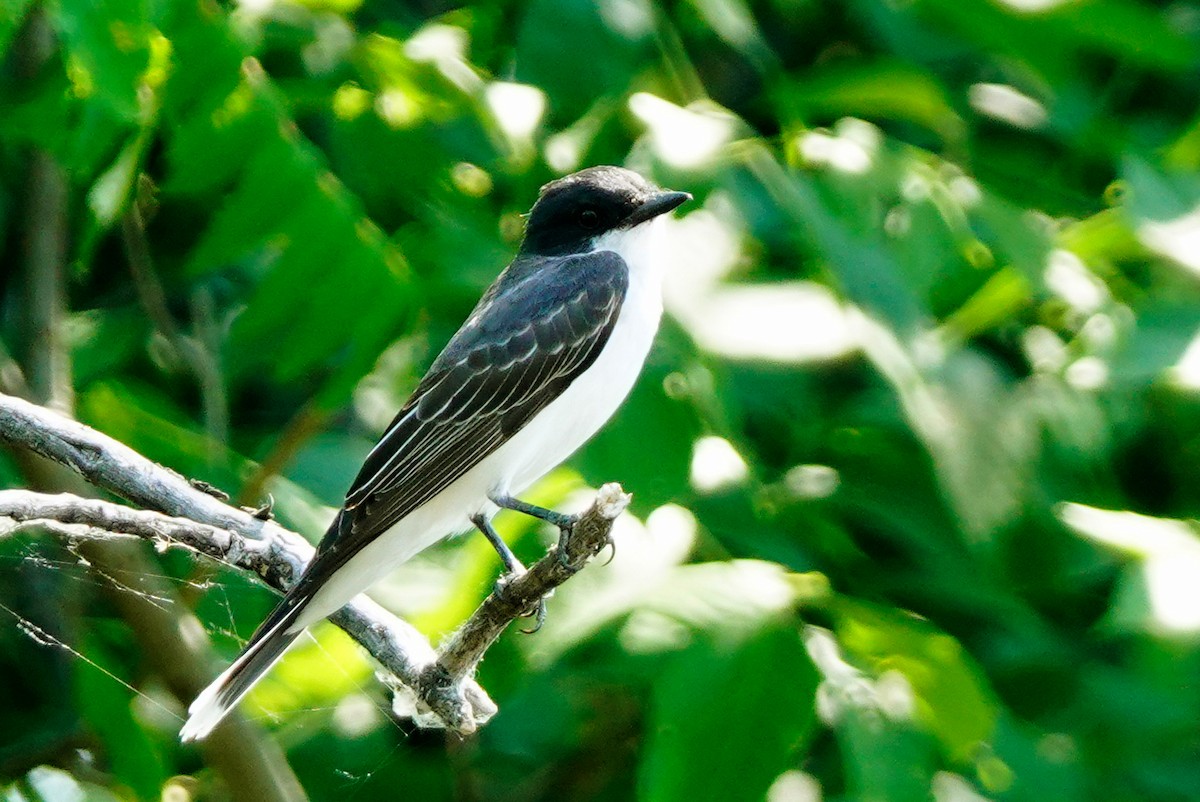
[519,350]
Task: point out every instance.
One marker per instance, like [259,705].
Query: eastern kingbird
[546,357]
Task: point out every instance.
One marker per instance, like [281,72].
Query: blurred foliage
[914,459]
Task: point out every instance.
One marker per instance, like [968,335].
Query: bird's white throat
[638,246]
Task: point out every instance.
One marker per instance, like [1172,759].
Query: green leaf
[108,47]
[12,13]
[108,196]
[953,699]
[1134,31]
[106,706]
[1162,208]
[553,34]
[1012,235]
[962,408]
[885,759]
[1164,331]
[1155,195]
[728,718]
[157,428]
[874,91]
[836,216]
[291,226]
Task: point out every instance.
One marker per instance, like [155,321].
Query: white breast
[570,420]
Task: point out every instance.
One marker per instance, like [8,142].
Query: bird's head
[573,211]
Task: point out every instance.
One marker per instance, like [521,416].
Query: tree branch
[442,681]
[77,517]
[589,536]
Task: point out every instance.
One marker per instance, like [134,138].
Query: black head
[572,211]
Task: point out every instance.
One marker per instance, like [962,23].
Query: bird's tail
[267,645]
[279,631]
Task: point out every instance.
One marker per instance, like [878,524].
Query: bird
[546,357]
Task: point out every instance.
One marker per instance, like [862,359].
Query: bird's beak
[656,204]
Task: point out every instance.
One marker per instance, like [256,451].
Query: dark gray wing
[542,324]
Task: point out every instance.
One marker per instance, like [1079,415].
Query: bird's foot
[565,530]
[537,611]
[610,544]
[566,526]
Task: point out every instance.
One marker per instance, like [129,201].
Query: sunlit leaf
[108,45]
[953,701]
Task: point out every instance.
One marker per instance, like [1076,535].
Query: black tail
[266,647]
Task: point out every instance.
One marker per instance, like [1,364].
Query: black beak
[656,204]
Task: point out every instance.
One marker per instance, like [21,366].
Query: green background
[912,461]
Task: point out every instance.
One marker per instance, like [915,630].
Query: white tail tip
[204,714]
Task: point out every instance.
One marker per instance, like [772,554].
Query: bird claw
[564,535]
[565,528]
[500,589]
[540,612]
[609,543]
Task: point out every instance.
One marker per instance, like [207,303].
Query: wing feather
[536,331]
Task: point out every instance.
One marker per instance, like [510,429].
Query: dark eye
[589,218]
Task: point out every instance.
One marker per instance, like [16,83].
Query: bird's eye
[588,218]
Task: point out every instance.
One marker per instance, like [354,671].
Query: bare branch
[70,533]
[78,517]
[589,535]
[111,465]
[442,681]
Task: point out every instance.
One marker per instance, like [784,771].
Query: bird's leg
[512,566]
[564,522]
[559,519]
